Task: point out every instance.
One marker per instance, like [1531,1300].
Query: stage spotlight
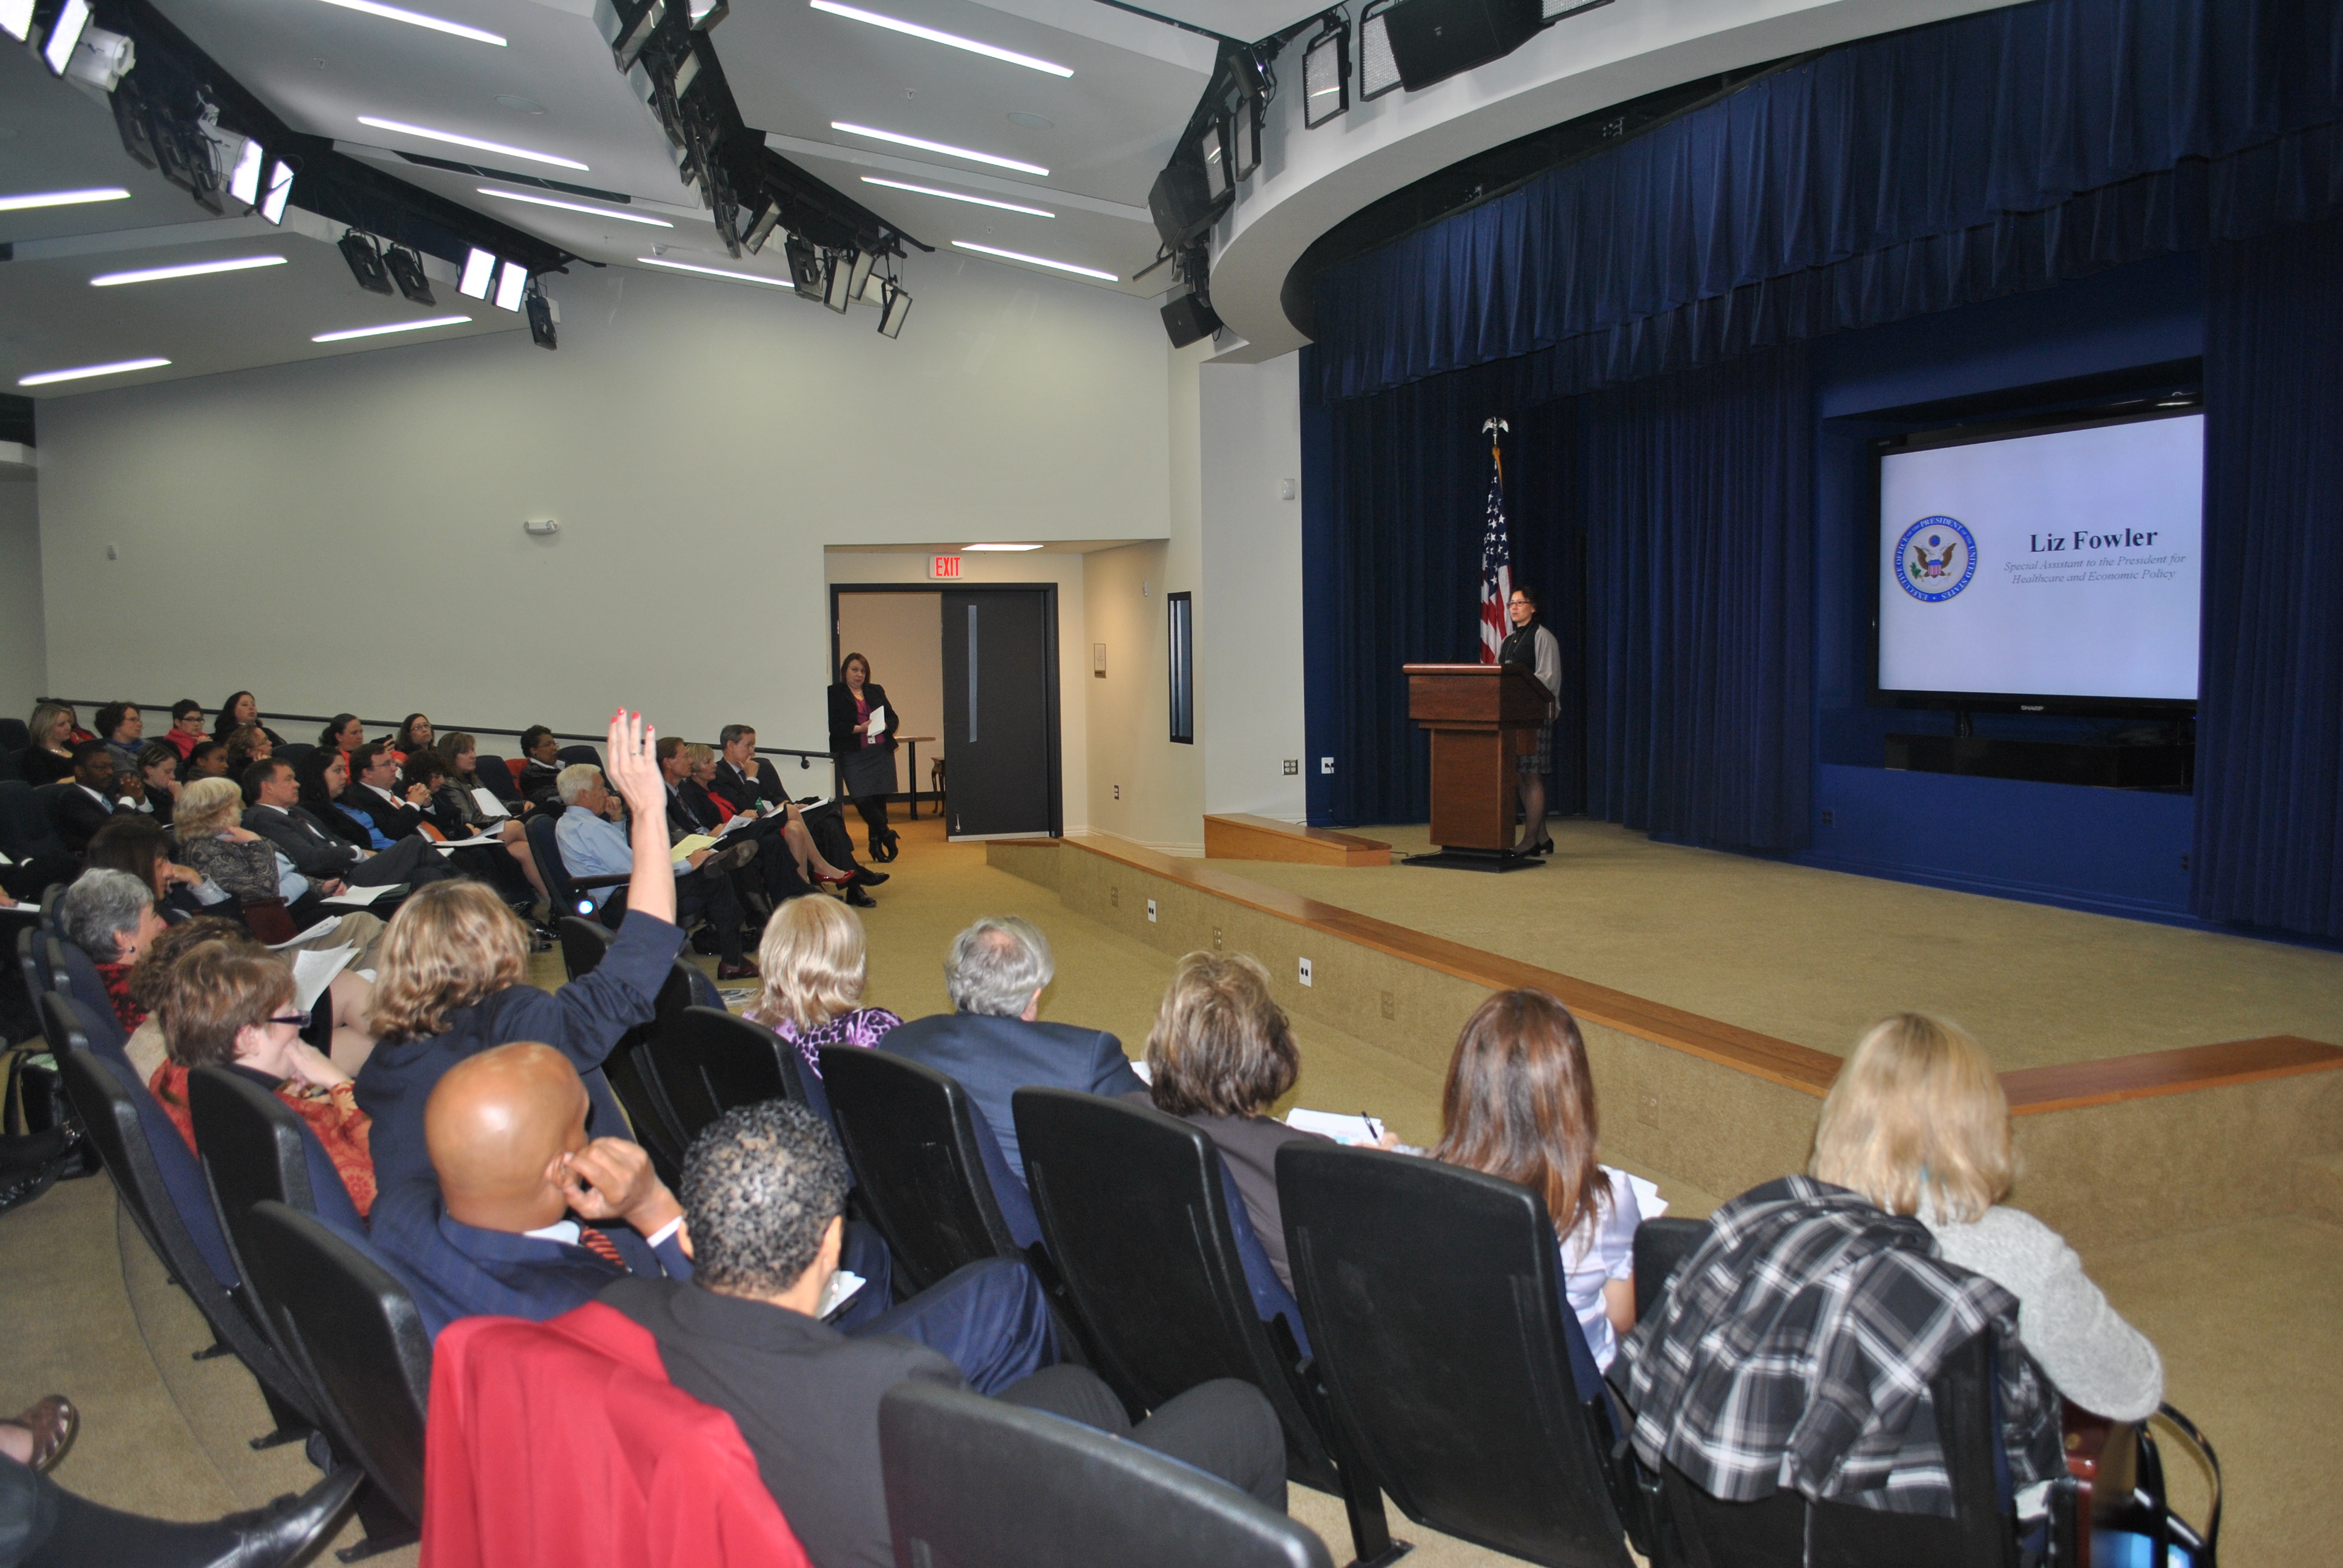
[366,263]
[243,180]
[102,59]
[406,267]
[72,21]
[279,191]
[512,281]
[16,18]
[894,308]
[705,14]
[1255,81]
[860,282]
[1244,139]
[130,123]
[760,225]
[838,279]
[627,26]
[1219,160]
[1326,73]
[805,267]
[686,74]
[1378,72]
[542,319]
[479,274]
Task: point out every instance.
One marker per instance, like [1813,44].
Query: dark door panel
[1000,718]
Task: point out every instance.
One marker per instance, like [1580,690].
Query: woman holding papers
[458,815]
[1520,1104]
[862,728]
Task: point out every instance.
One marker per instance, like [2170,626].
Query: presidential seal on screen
[1935,559]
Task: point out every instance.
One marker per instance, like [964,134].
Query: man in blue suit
[993,1042]
[499,1231]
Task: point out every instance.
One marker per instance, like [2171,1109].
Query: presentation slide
[2058,564]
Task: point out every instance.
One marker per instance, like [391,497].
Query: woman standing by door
[865,750]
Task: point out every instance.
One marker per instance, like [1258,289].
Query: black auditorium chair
[1454,1364]
[160,1184]
[73,972]
[1156,1250]
[15,735]
[570,756]
[710,1061]
[633,1076]
[583,943]
[1661,1244]
[496,777]
[977,1483]
[22,927]
[570,892]
[354,1334]
[916,1146]
[29,835]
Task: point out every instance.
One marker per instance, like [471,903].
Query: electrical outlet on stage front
[1305,971]
[1647,1108]
[1150,912]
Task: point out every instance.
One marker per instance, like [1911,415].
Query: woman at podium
[1534,647]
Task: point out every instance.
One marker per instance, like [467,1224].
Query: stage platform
[1719,992]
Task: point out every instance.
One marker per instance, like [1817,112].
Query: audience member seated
[42,1525]
[371,798]
[1219,1055]
[134,844]
[158,774]
[205,759]
[824,852]
[276,811]
[123,730]
[414,734]
[775,868]
[110,915]
[230,1004]
[255,874]
[1794,1350]
[993,1042]
[49,757]
[541,768]
[592,845]
[241,712]
[1519,1104]
[763,1189]
[462,753]
[187,731]
[1918,1125]
[97,794]
[498,1232]
[343,732]
[449,986]
[816,969]
[246,747]
[509,865]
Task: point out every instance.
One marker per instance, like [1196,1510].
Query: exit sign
[943,565]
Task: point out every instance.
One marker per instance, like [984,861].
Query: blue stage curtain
[1696,498]
[1984,156]
[2269,728]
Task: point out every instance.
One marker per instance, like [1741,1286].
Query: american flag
[1496,560]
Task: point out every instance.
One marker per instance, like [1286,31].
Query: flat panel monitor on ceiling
[2058,564]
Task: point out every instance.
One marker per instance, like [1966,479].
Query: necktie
[602,1247]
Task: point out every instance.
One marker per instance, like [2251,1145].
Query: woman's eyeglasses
[298,1019]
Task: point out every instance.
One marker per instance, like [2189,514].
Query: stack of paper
[314,971]
[687,846]
[1649,1204]
[359,898]
[490,807]
[452,845]
[1333,1124]
[311,935]
[878,719]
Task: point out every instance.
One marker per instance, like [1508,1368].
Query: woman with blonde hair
[1917,1124]
[813,960]
[49,757]
[1520,1104]
[455,957]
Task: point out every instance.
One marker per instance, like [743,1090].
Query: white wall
[1249,608]
[901,636]
[24,661]
[346,532]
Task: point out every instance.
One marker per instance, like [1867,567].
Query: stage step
[1242,836]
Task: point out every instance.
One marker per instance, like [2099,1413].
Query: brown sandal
[53,1423]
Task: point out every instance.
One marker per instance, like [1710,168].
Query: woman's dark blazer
[842,740]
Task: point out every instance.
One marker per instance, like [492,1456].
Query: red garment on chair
[562,1444]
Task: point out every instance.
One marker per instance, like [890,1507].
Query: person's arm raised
[634,771]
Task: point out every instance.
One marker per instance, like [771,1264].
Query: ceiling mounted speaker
[1182,202]
[1433,40]
[1190,319]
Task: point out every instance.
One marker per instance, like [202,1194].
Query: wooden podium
[1481,716]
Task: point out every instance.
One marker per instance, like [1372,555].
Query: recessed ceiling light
[944,147]
[1001,547]
[61,198]
[897,25]
[84,371]
[1037,260]
[417,19]
[579,206]
[428,135]
[715,272]
[188,270]
[956,196]
[349,332]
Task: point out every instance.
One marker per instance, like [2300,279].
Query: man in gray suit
[993,1044]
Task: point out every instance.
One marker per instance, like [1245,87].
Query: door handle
[971,675]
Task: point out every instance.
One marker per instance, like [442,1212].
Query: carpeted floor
[1817,957]
[2244,1315]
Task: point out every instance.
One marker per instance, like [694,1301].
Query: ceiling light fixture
[897,25]
[714,272]
[894,308]
[404,264]
[512,283]
[349,332]
[956,196]
[944,147]
[1037,260]
[83,372]
[280,192]
[243,180]
[72,22]
[1326,72]
[417,19]
[188,270]
[16,18]
[428,135]
[61,198]
[967,548]
[578,206]
[479,274]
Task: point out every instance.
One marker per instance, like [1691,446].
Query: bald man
[500,1232]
